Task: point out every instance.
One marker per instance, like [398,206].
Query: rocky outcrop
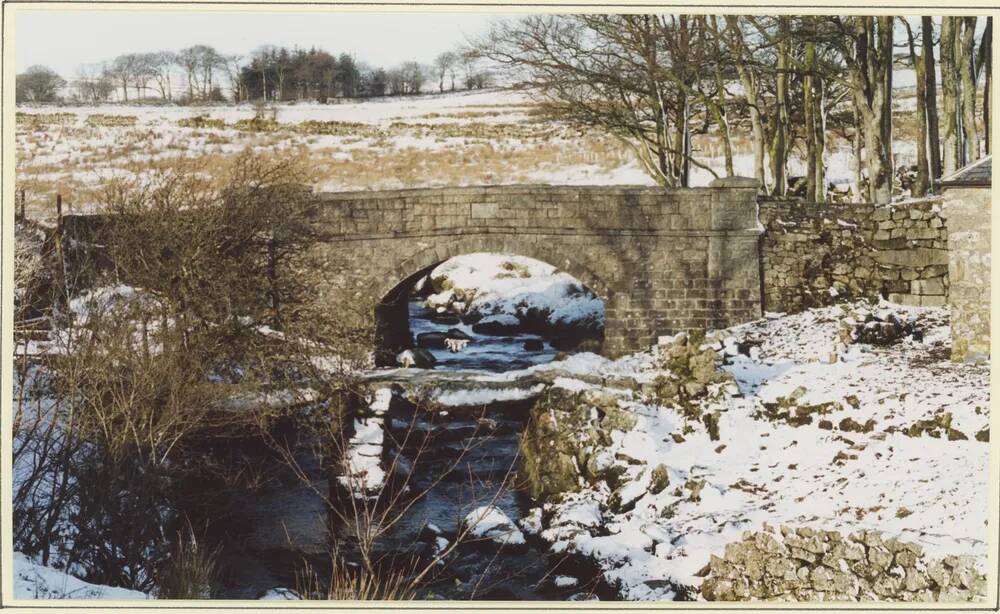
[559,447]
[804,564]
[692,379]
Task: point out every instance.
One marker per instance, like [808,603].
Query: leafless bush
[28,265]
[202,305]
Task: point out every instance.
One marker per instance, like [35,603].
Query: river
[469,461]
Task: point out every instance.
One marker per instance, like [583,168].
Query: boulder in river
[432,340]
[455,333]
[471,318]
[417,357]
[448,319]
[503,324]
[534,345]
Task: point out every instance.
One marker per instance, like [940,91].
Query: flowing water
[469,460]
[485,352]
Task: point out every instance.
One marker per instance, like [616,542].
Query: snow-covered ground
[465,138]
[932,491]
[33,581]
[487,137]
[860,463]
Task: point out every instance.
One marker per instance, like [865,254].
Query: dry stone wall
[805,564]
[815,254]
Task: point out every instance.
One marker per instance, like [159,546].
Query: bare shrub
[191,571]
[353,583]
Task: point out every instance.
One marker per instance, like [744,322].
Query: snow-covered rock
[513,293]
[280,594]
[491,524]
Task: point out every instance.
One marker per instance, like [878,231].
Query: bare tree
[867,46]
[200,64]
[161,65]
[633,75]
[951,93]
[233,65]
[123,71]
[967,77]
[443,65]
[413,77]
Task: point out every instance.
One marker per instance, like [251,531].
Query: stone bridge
[662,260]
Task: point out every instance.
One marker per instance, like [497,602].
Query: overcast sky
[62,40]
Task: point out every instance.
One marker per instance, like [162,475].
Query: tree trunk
[779,153]
[922,181]
[856,143]
[886,26]
[809,117]
[749,82]
[949,95]
[930,98]
[967,70]
[987,45]
[872,57]
[820,132]
[718,109]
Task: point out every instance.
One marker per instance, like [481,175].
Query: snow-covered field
[467,138]
[487,137]
[929,490]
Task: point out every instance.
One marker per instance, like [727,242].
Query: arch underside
[386,282]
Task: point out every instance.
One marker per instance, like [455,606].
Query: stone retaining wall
[815,254]
[804,564]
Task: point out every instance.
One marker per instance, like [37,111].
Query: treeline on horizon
[200,73]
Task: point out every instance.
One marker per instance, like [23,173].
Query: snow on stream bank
[33,581]
[507,288]
[841,473]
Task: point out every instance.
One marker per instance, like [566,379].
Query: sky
[63,40]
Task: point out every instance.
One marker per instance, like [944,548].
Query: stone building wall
[817,254]
[968,213]
[662,260]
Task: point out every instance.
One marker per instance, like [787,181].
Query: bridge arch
[384,282]
[392,286]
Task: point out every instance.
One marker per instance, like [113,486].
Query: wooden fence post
[20,208]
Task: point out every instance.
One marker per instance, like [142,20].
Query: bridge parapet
[663,260]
